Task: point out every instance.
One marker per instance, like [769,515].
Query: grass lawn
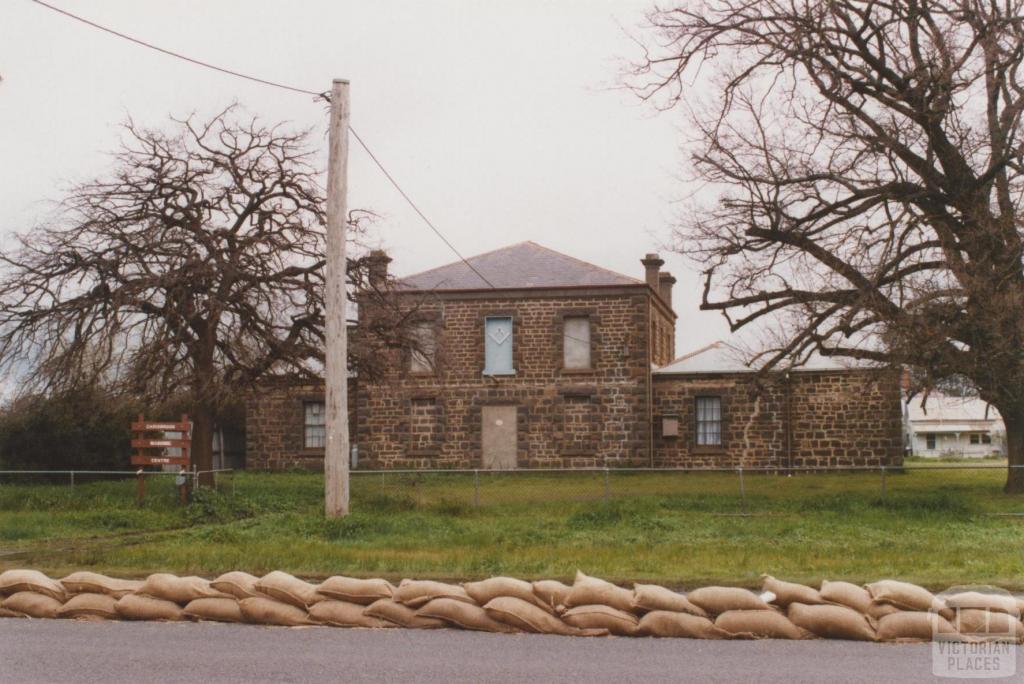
[936,527]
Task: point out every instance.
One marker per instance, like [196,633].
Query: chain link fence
[729,491]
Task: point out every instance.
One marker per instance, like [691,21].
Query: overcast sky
[496,117]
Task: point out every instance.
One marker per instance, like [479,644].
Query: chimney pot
[652,263]
[665,282]
[377,265]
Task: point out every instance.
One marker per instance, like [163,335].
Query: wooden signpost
[151,446]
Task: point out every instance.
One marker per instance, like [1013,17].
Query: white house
[954,426]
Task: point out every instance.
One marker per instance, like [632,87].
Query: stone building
[528,358]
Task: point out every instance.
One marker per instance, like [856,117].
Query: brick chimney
[378,261]
[665,283]
[652,262]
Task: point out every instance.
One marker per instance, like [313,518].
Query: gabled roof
[950,411]
[525,265]
[722,357]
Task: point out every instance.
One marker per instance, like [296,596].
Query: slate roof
[722,357]
[525,265]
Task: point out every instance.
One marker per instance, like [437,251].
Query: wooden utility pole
[337,449]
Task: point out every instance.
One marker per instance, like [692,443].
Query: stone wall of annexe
[828,418]
[275,424]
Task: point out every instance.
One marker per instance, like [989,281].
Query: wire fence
[732,491]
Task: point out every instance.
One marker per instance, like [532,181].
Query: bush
[84,429]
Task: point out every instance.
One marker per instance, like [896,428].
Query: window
[709,421]
[975,438]
[986,438]
[576,342]
[498,346]
[929,440]
[423,354]
[314,432]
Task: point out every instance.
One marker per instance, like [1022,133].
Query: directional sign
[160,460]
[161,443]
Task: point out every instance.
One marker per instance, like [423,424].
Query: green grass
[936,527]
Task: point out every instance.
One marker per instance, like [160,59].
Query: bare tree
[196,267]
[867,164]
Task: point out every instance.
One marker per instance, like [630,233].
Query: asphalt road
[108,652]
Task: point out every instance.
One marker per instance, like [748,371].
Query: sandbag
[417,593]
[877,611]
[14,581]
[267,611]
[353,590]
[288,589]
[913,626]
[831,622]
[139,607]
[717,600]
[181,590]
[344,614]
[239,584]
[4,613]
[463,615]
[85,582]
[790,592]
[552,593]
[600,616]
[648,597]
[486,590]
[90,605]
[997,603]
[989,625]
[401,615]
[529,617]
[759,624]
[907,596]
[215,610]
[663,623]
[591,591]
[845,594]
[32,604]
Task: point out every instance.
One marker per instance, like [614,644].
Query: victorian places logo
[976,632]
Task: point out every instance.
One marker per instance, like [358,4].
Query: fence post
[476,489]
[743,492]
[72,478]
[606,484]
[883,483]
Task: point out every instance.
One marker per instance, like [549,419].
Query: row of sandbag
[882,611]
[891,610]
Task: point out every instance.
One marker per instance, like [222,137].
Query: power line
[274,84]
[417,209]
[171,52]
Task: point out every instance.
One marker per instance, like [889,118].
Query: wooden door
[498,437]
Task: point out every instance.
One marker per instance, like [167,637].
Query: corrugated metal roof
[722,357]
[525,265]
[950,411]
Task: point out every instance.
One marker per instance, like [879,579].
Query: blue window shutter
[498,346]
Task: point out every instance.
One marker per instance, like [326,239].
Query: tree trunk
[203,410]
[202,441]
[1014,452]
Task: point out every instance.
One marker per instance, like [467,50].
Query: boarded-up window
[709,421]
[576,342]
[498,346]
[422,356]
[314,432]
